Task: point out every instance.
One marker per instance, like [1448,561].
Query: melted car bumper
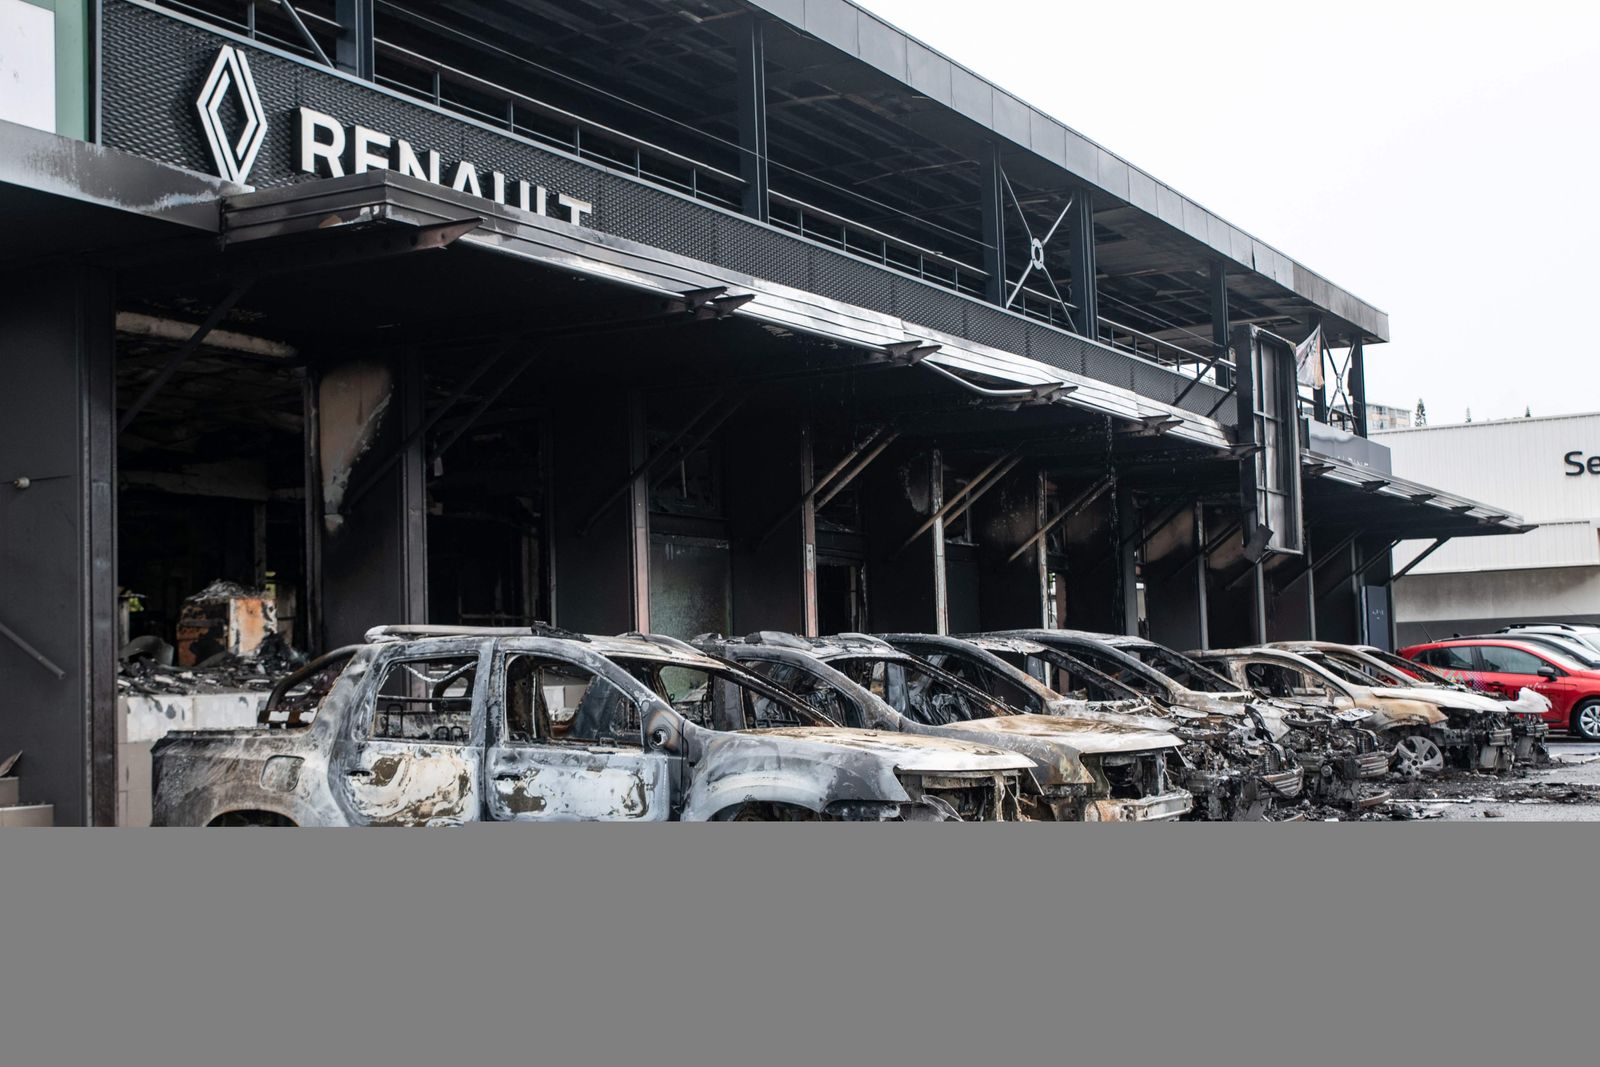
[1164,807]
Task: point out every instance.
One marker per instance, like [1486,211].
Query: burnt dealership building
[705,315]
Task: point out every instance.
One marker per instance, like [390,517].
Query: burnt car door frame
[369,776]
[579,779]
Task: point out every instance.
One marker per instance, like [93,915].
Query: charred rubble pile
[227,641]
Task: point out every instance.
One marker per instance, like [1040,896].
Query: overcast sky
[1439,161]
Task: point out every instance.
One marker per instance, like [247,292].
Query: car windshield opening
[723,698]
[1181,669]
[1343,671]
[922,694]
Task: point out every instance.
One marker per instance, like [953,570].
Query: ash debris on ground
[1560,784]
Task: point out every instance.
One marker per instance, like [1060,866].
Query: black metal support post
[993,220]
[753,118]
[354,50]
[1082,264]
[1358,386]
[1219,318]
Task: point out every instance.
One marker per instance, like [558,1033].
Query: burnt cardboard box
[212,624]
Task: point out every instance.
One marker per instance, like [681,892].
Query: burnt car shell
[1239,767]
[320,766]
[1476,732]
[1073,760]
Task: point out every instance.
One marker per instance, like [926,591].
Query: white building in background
[1387,417]
[1547,469]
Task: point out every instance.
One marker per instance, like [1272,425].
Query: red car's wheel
[1586,720]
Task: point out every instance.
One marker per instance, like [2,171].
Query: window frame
[360,727]
[502,731]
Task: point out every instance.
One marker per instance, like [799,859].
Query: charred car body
[1090,769]
[1525,714]
[1424,733]
[1237,765]
[1336,755]
[448,725]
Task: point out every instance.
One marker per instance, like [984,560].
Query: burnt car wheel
[755,812]
[1416,756]
[1586,720]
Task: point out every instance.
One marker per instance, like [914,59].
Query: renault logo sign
[229,99]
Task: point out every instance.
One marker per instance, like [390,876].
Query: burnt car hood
[1057,746]
[1444,698]
[1239,709]
[906,752]
[1137,713]
[1397,707]
[1084,735]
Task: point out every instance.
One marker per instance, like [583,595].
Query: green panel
[72,65]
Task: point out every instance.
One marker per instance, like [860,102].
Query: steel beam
[969,494]
[653,460]
[184,351]
[1357,570]
[1424,554]
[305,34]
[838,479]
[1075,506]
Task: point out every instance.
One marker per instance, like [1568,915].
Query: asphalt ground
[1566,791]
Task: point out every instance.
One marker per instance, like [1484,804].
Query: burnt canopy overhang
[321,209]
[61,198]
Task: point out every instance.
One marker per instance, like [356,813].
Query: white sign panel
[27,65]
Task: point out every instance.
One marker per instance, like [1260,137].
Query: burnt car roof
[987,642]
[1089,637]
[621,645]
[821,647]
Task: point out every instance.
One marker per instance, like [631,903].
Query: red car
[1505,666]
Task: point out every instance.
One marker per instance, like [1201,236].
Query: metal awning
[1385,504]
[387,199]
[60,197]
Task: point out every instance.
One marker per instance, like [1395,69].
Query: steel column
[992,218]
[752,93]
[412,387]
[1081,264]
[1218,278]
[1358,386]
[639,510]
[58,541]
[1201,573]
[354,50]
[941,585]
[808,533]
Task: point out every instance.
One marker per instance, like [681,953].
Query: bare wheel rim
[1589,722]
[1416,756]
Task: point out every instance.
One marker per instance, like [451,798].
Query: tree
[1422,413]
[1527,412]
[1469,414]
